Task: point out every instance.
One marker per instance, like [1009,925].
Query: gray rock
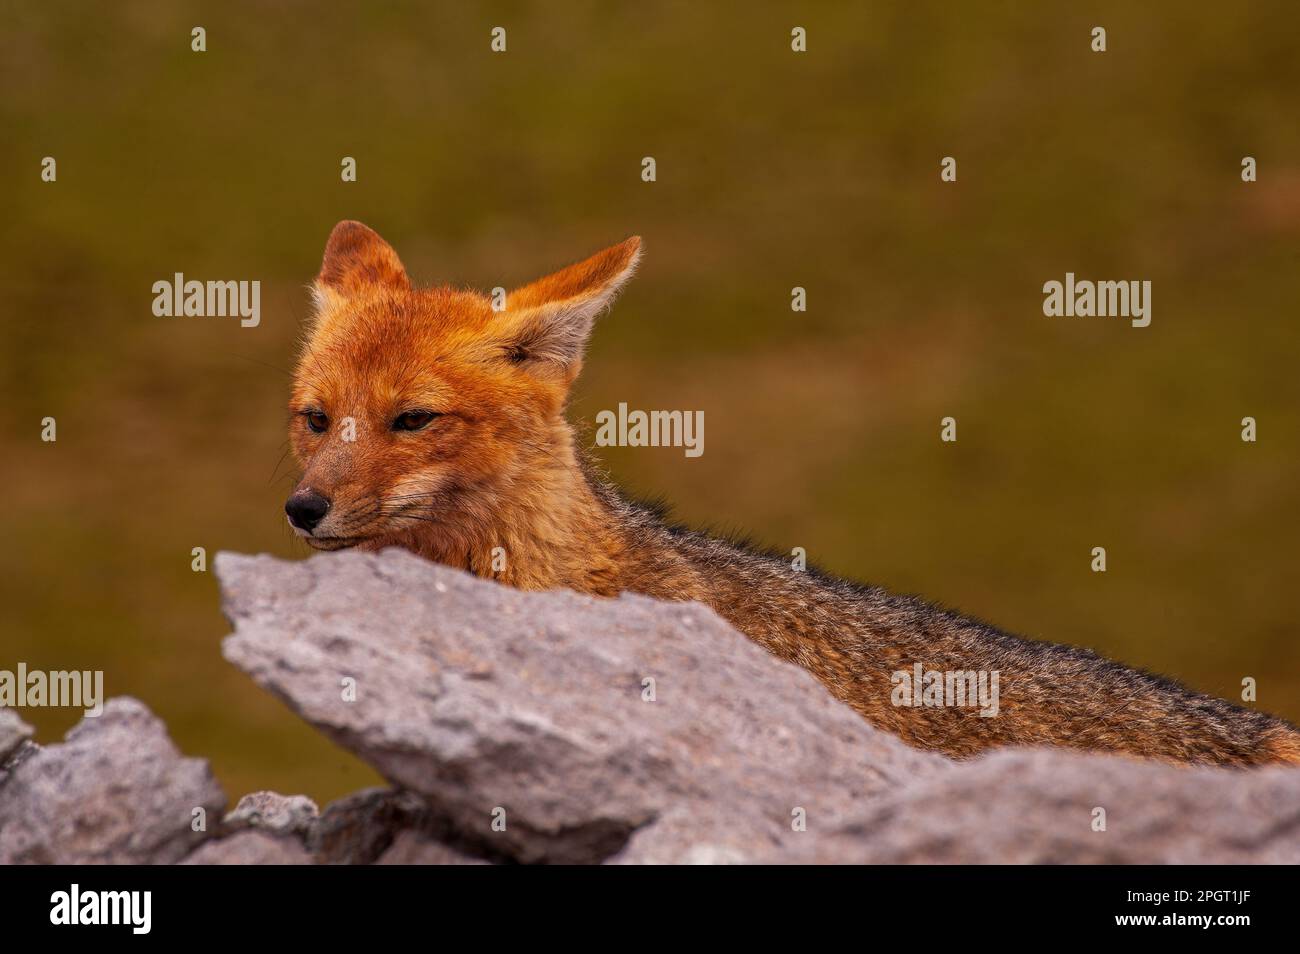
[115,791]
[251,847]
[274,813]
[527,709]
[366,827]
[484,704]
[1038,806]
[412,848]
[14,745]
[357,829]
[13,733]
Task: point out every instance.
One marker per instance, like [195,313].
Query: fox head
[428,410]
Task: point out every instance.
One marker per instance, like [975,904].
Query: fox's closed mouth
[333,543]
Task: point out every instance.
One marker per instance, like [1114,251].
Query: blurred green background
[774,170]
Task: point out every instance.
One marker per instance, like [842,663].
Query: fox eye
[317,421]
[413,420]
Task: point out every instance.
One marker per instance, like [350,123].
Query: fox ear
[550,320]
[356,258]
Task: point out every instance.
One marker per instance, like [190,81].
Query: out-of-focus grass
[775,170]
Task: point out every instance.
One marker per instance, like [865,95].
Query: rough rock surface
[274,813]
[115,791]
[525,719]
[15,746]
[412,848]
[358,829]
[1041,806]
[250,847]
[557,728]
[13,733]
[533,710]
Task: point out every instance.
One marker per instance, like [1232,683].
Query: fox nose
[306,508]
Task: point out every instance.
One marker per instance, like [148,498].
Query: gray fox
[427,419]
